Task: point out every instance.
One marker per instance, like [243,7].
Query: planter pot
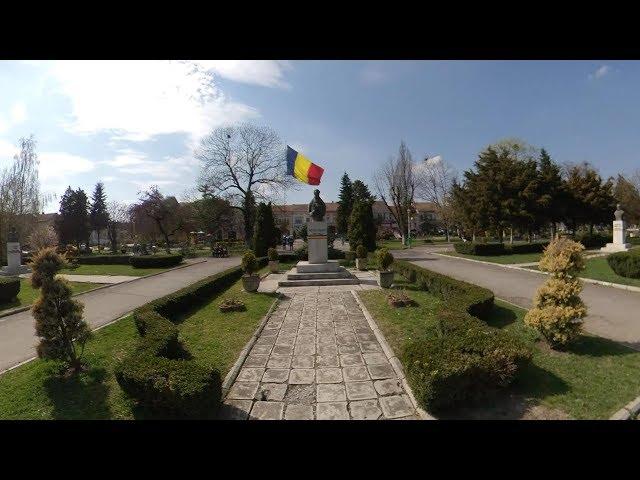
[251,282]
[385,279]
[274,265]
[361,263]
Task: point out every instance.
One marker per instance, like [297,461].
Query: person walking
[290,242]
[284,241]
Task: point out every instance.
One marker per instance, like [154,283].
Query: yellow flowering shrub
[558,311]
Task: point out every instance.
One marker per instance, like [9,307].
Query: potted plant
[274,264]
[250,281]
[361,260]
[385,276]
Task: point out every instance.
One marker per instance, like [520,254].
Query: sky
[132,124]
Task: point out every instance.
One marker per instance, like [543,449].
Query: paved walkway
[17,334]
[317,358]
[613,313]
[104,279]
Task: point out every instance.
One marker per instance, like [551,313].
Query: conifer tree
[362,229]
[345,205]
[99,216]
[59,323]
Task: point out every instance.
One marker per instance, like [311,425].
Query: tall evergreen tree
[72,224]
[362,229]
[551,194]
[99,216]
[590,200]
[361,192]
[345,205]
[266,233]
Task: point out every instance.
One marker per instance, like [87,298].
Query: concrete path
[17,334]
[317,358]
[613,313]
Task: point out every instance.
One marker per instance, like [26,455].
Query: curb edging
[235,370]
[631,409]
[393,359]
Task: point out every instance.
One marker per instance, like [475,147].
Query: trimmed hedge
[466,361]
[596,240]
[625,264]
[159,373]
[155,261]
[633,240]
[9,288]
[490,249]
[475,300]
[104,260]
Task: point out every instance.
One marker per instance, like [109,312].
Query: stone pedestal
[14,266]
[619,238]
[317,241]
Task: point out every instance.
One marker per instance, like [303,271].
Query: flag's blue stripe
[291,159]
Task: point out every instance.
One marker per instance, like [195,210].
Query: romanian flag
[301,167]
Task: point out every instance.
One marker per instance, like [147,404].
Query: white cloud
[136,100]
[145,185]
[18,113]
[59,165]
[600,72]
[266,73]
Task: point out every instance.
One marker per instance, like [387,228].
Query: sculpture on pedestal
[317,207]
[619,234]
[14,255]
[12,236]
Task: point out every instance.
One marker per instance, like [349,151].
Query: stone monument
[318,270]
[619,234]
[14,257]
[317,230]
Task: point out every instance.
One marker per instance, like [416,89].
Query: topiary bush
[155,261]
[558,311]
[272,254]
[384,258]
[249,263]
[158,374]
[465,361]
[361,251]
[625,264]
[9,289]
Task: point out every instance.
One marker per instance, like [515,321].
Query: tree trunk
[511,235]
[591,229]
[447,233]
[553,231]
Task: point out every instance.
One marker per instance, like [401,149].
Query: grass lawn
[28,294]
[592,380]
[501,259]
[213,338]
[598,269]
[112,270]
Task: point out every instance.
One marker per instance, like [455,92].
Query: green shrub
[633,240]
[350,256]
[384,258]
[625,264]
[155,261]
[482,249]
[104,260]
[464,362]
[595,240]
[460,295]
[158,374]
[288,257]
[534,247]
[249,263]
[272,253]
[335,254]
[302,253]
[9,289]
[361,251]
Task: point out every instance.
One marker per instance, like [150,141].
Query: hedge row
[466,361]
[9,288]
[595,240]
[475,300]
[155,261]
[159,374]
[490,249]
[104,259]
[625,264]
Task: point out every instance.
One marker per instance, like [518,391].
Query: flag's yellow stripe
[301,168]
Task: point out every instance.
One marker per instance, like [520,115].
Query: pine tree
[551,194]
[58,316]
[99,217]
[362,229]
[345,205]
[361,192]
[265,231]
[72,224]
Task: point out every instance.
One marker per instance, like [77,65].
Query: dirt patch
[506,407]
[301,394]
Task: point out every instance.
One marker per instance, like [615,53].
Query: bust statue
[317,208]
[619,212]
[12,236]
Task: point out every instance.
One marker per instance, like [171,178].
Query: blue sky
[132,124]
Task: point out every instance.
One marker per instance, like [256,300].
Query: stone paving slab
[317,358]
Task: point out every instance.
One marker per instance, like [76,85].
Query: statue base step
[616,247]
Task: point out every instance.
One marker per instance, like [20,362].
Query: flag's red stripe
[315,173]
